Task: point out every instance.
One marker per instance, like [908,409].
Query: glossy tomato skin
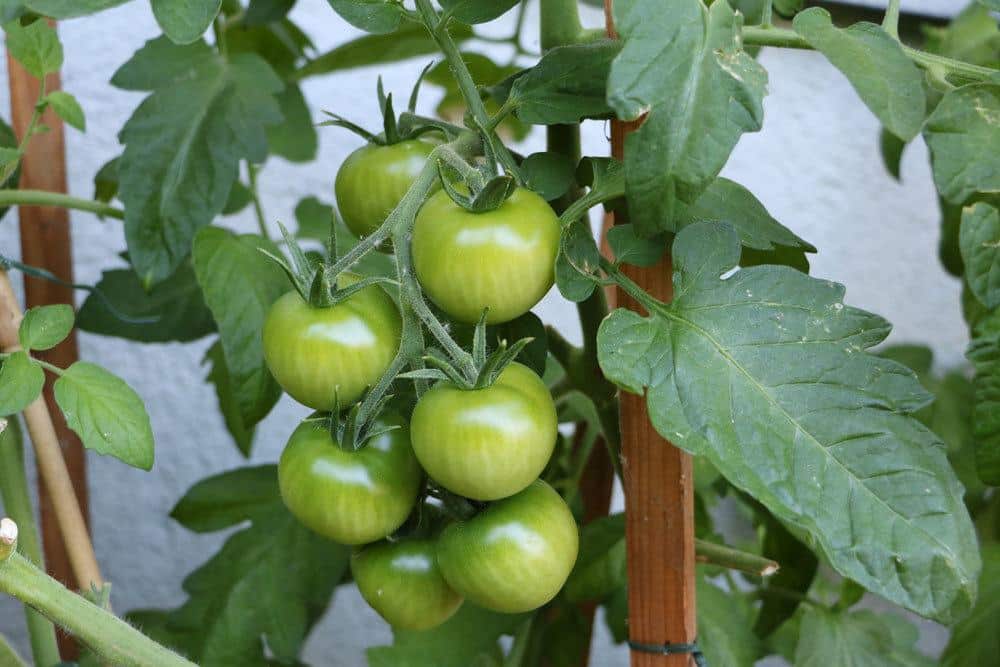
[350,497]
[347,347]
[502,259]
[374,178]
[514,556]
[488,443]
[402,582]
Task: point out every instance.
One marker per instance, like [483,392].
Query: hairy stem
[559,23]
[58,200]
[733,559]
[110,637]
[890,23]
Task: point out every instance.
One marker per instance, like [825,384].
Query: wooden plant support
[659,494]
[45,243]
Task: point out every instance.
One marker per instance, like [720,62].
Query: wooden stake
[659,495]
[45,242]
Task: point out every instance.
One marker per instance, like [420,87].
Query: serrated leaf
[979,241]
[725,622]
[681,63]
[68,9]
[36,46]
[67,108]
[106,413]
[177,302]
[44,327]
[548,174]
[478,11]
[975,640]
[184,21]
[863,639]
[21,382]
[375,16]
[220,378]
[885,78]
[456,643]
[240,284]
[769,368]
[184,142]
[567,85]
[267,585]
[963,135]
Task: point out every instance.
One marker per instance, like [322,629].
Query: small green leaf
[984,353]
[725,625]
[106,181]
[979,241]
[548,174]
[600,565]
[36,46]
[67,108]
[68,9]
[8,155]
[239,285]
[973,37]
[295,137]
[21,381]
[882,74]
[184,21]
[477,11]
[260,12]
[44,327]
[629,248]
[891,148]
[239,198]
[863,639]
[106,413]
[375,16]
[578,262]
[220,378]
[963,135]
[227,499]
[567,85]
[975,640]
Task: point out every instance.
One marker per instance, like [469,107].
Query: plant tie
[669,648]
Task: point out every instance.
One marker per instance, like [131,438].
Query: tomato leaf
[21,381]
[682,64]
[567,85]
[375,16]
[979,242]
[974,640]
[884,77]
[221,379]
[798,569]
[478,11]
[768,367]
[984,353]
[184,142]
[458,642]
[295,138]
[725,626]
[44,327]
[36,46]
[600,564]
[184,22]
[973,36]
[177,303]
[268,584]
[862,638]
[630,248]
[68,9]
[260,12]
[548,174]
[239,285]
[67,108]
[106,181]
[577,262]
[963,135]
[106,413]
[891,147]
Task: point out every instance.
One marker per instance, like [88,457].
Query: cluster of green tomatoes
[484,446]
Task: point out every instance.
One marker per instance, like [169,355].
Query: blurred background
[816,166]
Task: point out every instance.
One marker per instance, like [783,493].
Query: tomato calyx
[353,429]
[478,190]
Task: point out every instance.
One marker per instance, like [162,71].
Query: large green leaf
[477,11]
[67,9]
[268,584]
[859,639]
[377,16]
[882,74]
[184,21]
[975,640]
[176,303]
[973,36]
[979,241]
[184,142]
[106,413]
[240,284]
[567,85]
[768,367]
[725,627]
[458,642]
[21,381]
[963,135]
[682,64]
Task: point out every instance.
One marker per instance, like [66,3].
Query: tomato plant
[459,467]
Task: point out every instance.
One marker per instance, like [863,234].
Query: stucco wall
[815,165]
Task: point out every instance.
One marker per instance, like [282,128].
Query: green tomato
[313,352]
[487,443]
[373,179]
[502,259]
[351,497]
[402,582]
[514,556]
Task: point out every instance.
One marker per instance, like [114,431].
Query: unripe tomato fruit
[351,497]
[347,347]
[514,556]
[503,259]
[487,443]
[402,582]
[373,179]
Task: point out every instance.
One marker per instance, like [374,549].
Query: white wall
[816,166]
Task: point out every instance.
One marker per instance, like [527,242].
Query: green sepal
[498,361]
[477,196]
